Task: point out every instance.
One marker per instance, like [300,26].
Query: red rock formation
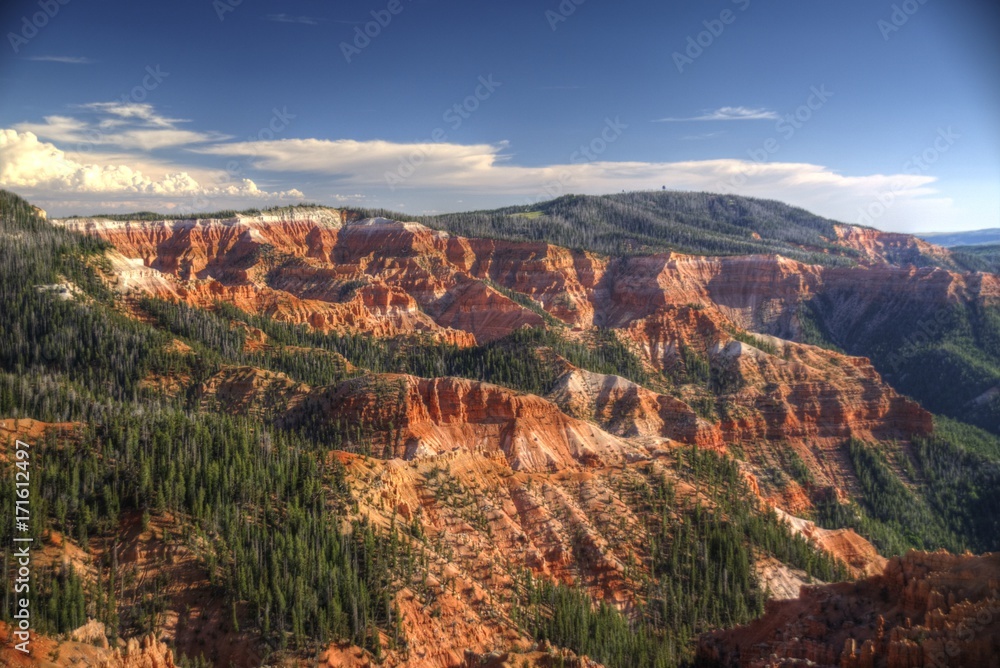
[627,409]
[390,278]
[494,523]
[925,609]
[417,417]
[877,247]
[145,653]
[86,646]
[857,553]
[413,278]
[790,391]
[375,275]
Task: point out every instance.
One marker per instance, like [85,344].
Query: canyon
[494,484]
[321,267]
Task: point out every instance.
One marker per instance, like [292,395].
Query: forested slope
[686,222]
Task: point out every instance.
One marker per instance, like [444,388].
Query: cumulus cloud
[27,163]
[728,114]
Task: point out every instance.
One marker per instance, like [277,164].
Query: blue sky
[883,113]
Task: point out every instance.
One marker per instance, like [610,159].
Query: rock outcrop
[790,390]
[875,247]
[857,553]
[147,652]
[628,409]
[925,609]
[87,646]
[410,417]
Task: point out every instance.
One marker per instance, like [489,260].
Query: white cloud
[728,114]
[483,170]
[107,153]
[363,161]
[705,135]
[135,110]
[40,167]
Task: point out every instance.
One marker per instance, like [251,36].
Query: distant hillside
[972,238]
[640,223]
[644,222]
[688,222]
[984,257]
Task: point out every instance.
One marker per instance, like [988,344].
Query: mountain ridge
[649,221]
[989,235]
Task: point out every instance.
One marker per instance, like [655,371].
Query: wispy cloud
[123,125]
[288,18]
[69,60]
[706,135]
[139,111]
[728,114]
